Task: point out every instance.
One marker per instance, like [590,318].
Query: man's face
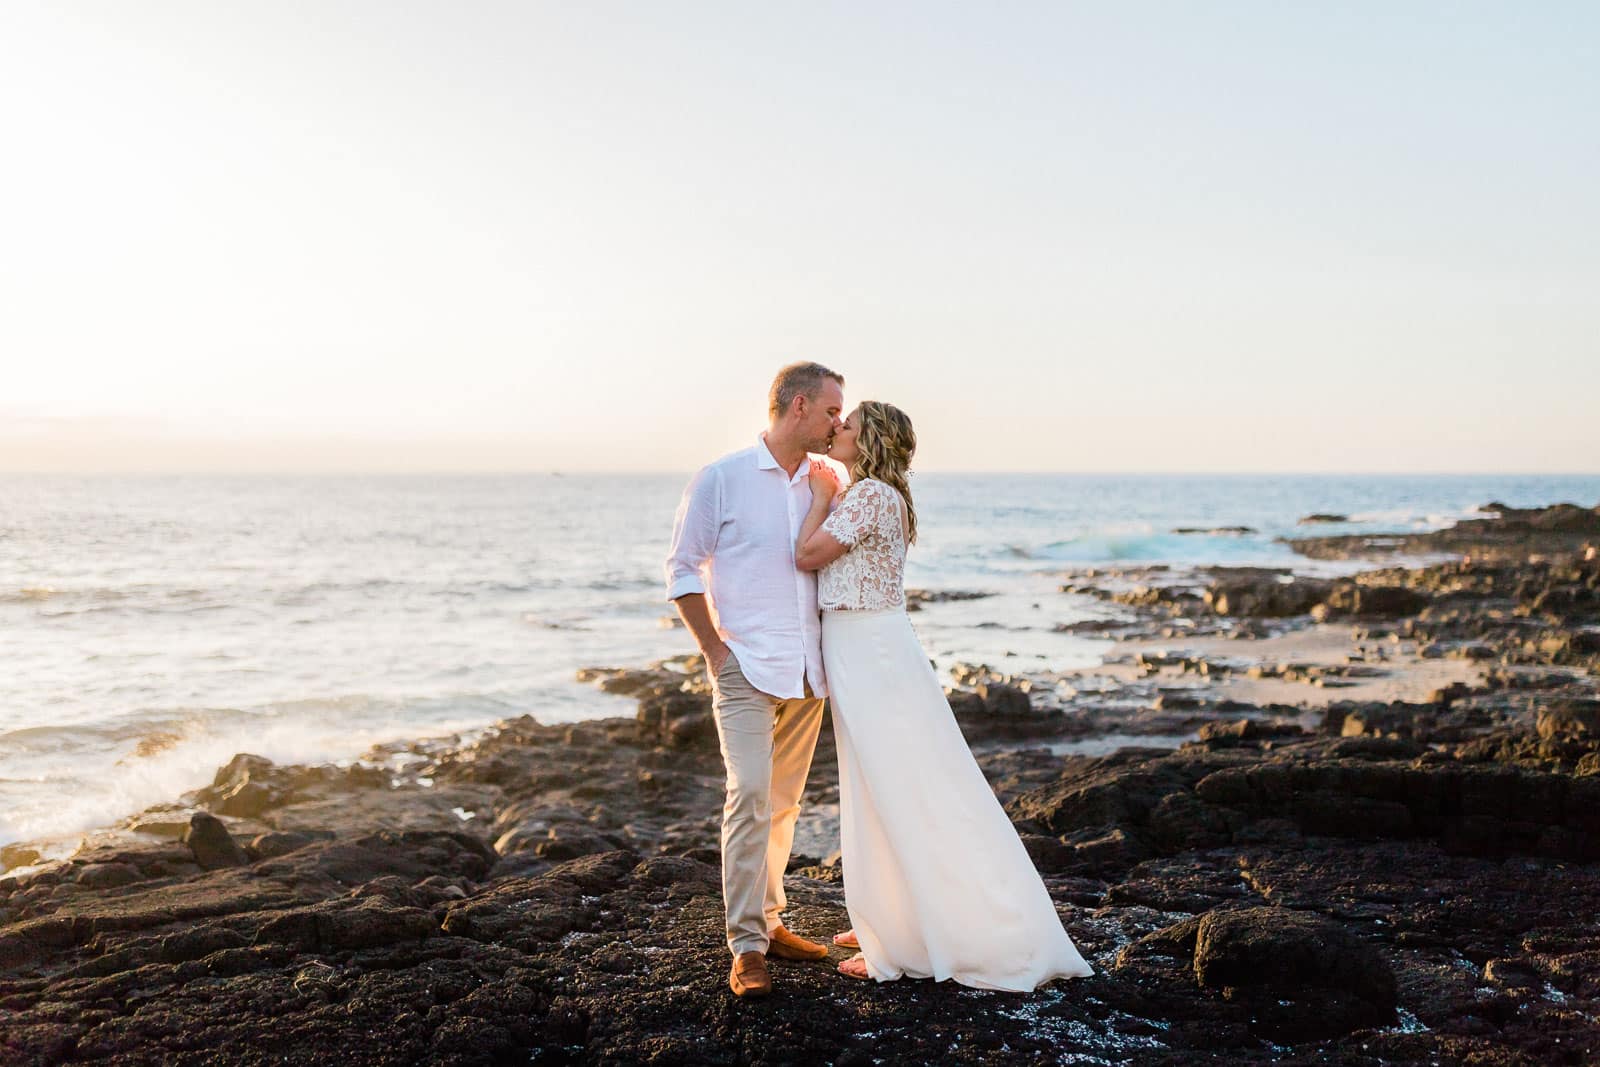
[819,416]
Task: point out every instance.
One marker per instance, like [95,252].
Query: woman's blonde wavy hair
[885,444]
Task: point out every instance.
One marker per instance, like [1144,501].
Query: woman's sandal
[847,940]
[852,973]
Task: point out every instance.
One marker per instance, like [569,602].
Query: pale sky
[1062,236]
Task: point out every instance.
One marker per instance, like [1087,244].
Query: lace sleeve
[861,513]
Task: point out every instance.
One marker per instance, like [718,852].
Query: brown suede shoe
[790,946]
[749,977]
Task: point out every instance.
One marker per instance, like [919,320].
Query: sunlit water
[152,627]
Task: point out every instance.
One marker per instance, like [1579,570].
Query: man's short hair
[798,379]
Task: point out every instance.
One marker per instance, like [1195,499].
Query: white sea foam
[130,783]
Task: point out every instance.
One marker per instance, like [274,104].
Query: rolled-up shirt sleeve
[694,534]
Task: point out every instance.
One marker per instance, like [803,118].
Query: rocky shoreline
[1290,820]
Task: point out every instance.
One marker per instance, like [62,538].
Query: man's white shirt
[733,540]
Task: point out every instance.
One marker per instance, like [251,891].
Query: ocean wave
[1409,519]
[45,594]
[138,725]
[301,595]
[110,733]
[619,583]
[29,595]
[330,585]
[87,796]
[30,737]
[1138,546]
[576,623]
[59,602]
[102,594]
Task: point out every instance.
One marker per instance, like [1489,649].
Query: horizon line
[508,472]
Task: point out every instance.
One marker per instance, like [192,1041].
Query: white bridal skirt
[937,883]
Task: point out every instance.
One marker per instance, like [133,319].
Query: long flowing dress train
[937,883]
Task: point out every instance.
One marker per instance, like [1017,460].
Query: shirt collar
[764,461]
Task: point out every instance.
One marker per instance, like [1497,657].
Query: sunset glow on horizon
[1146,237]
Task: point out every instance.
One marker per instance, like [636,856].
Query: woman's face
[844,448]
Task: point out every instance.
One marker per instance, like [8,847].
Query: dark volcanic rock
[455,954]
[242,787]
[282,842]
[916,598]
[677,718]
[211,843]
[1245,731]
[106,875]
[1248,592]
[1400,719]
[964,703]
[1512,533]
[1570,719]
[332,926]
[1354,600]
[1356,787]
[999,708]
[1000,699]
[1303,975]
[1563,518]
[1477,810]
[530,911]
[674,700]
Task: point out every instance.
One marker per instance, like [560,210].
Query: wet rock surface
[1398,881]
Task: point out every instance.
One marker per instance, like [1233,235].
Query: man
[761,636]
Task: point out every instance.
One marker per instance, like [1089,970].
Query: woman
[937,883]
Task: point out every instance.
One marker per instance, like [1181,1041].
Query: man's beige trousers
[767,746]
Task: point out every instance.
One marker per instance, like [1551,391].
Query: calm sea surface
[152,627]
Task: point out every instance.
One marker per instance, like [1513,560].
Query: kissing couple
[793,587]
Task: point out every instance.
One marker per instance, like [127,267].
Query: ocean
[152,627]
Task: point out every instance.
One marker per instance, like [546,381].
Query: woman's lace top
[871,576]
